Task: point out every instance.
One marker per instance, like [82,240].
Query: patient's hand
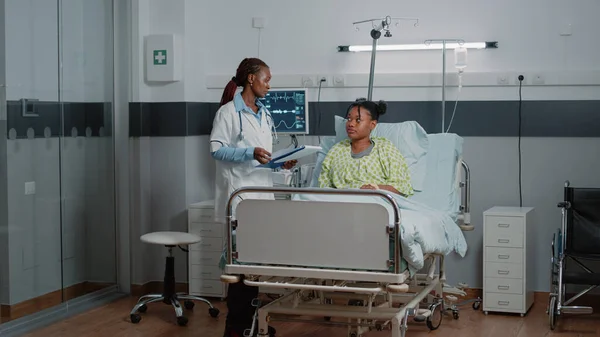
[289,164]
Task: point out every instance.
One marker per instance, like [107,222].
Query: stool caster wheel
[476,305]
[182,321]
[213,312]
[327,318]
[143,309]
[455,314]
[135,318]
[189,305]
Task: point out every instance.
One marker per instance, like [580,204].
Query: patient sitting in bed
[363,161]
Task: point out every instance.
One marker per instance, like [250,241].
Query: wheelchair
[577,240]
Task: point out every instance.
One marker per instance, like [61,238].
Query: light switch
[30,187]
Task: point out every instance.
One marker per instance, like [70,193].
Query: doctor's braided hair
[376,110]
[247,67]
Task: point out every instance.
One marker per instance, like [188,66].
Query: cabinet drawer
[504,231]
[201,215]
[502,301]
[503,285]
[504,255]
[205,272]
[504,270]
[208,244]
[207,229]
[206,287]
[205,258]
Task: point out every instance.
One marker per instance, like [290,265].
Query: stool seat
[170,238]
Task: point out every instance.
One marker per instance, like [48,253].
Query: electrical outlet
[503,79]
[307,82]
[258,23]
[30,187]
[538,79]
[517,79]
[323,81]
[338,80]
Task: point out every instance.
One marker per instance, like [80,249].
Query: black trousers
[240,311]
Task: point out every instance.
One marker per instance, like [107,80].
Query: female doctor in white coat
[241,138]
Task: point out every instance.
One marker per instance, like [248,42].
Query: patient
[363,161]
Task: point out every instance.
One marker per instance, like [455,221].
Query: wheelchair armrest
[564,204]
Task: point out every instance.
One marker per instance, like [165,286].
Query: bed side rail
[465,208]
[269,216]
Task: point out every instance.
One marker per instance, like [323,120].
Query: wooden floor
[113,320]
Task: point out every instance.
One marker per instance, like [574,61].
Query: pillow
[326,143]
[410,139]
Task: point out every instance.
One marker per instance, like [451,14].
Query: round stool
[168,296]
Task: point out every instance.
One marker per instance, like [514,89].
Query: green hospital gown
[384,165]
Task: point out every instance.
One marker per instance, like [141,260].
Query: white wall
[78,169]
[301,39]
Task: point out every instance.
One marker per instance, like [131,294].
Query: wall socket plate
[30,188]
[503,79]
[338,81]
[325,83]
[259,23]
[538,79]
[308,82]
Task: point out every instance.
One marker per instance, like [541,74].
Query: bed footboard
[348,239]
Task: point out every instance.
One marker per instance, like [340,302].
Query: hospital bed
[332,249]
[575,242]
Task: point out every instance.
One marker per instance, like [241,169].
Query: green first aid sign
[160,57]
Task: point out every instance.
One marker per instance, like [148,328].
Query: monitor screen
[289,108]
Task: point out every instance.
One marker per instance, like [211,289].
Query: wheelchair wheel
[552,316]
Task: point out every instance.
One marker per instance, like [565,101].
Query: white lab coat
[229,175]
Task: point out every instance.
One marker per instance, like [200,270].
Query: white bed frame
[314,273]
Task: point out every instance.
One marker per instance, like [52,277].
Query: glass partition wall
[57,184]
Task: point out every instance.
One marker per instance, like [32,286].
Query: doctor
[241,138]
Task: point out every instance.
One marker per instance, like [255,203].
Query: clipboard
[281,156]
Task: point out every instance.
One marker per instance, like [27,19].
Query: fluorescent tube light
[420,46]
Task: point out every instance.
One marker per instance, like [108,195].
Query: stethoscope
[270,122]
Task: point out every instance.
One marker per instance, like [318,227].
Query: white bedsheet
[423,229]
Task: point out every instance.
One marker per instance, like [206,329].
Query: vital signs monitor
[289,109]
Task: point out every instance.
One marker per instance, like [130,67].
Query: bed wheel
[455,314]
[434,320]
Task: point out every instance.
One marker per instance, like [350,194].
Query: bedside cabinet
[508,268]
[203,259]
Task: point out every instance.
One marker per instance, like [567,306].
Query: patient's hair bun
[381,108]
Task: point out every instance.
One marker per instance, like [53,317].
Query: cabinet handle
[503,272]
[206,245]
[206,230]
[503,287]
[206,258]
[503,225]
[504,257]
[503,241]
[503,302]
[207,287]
